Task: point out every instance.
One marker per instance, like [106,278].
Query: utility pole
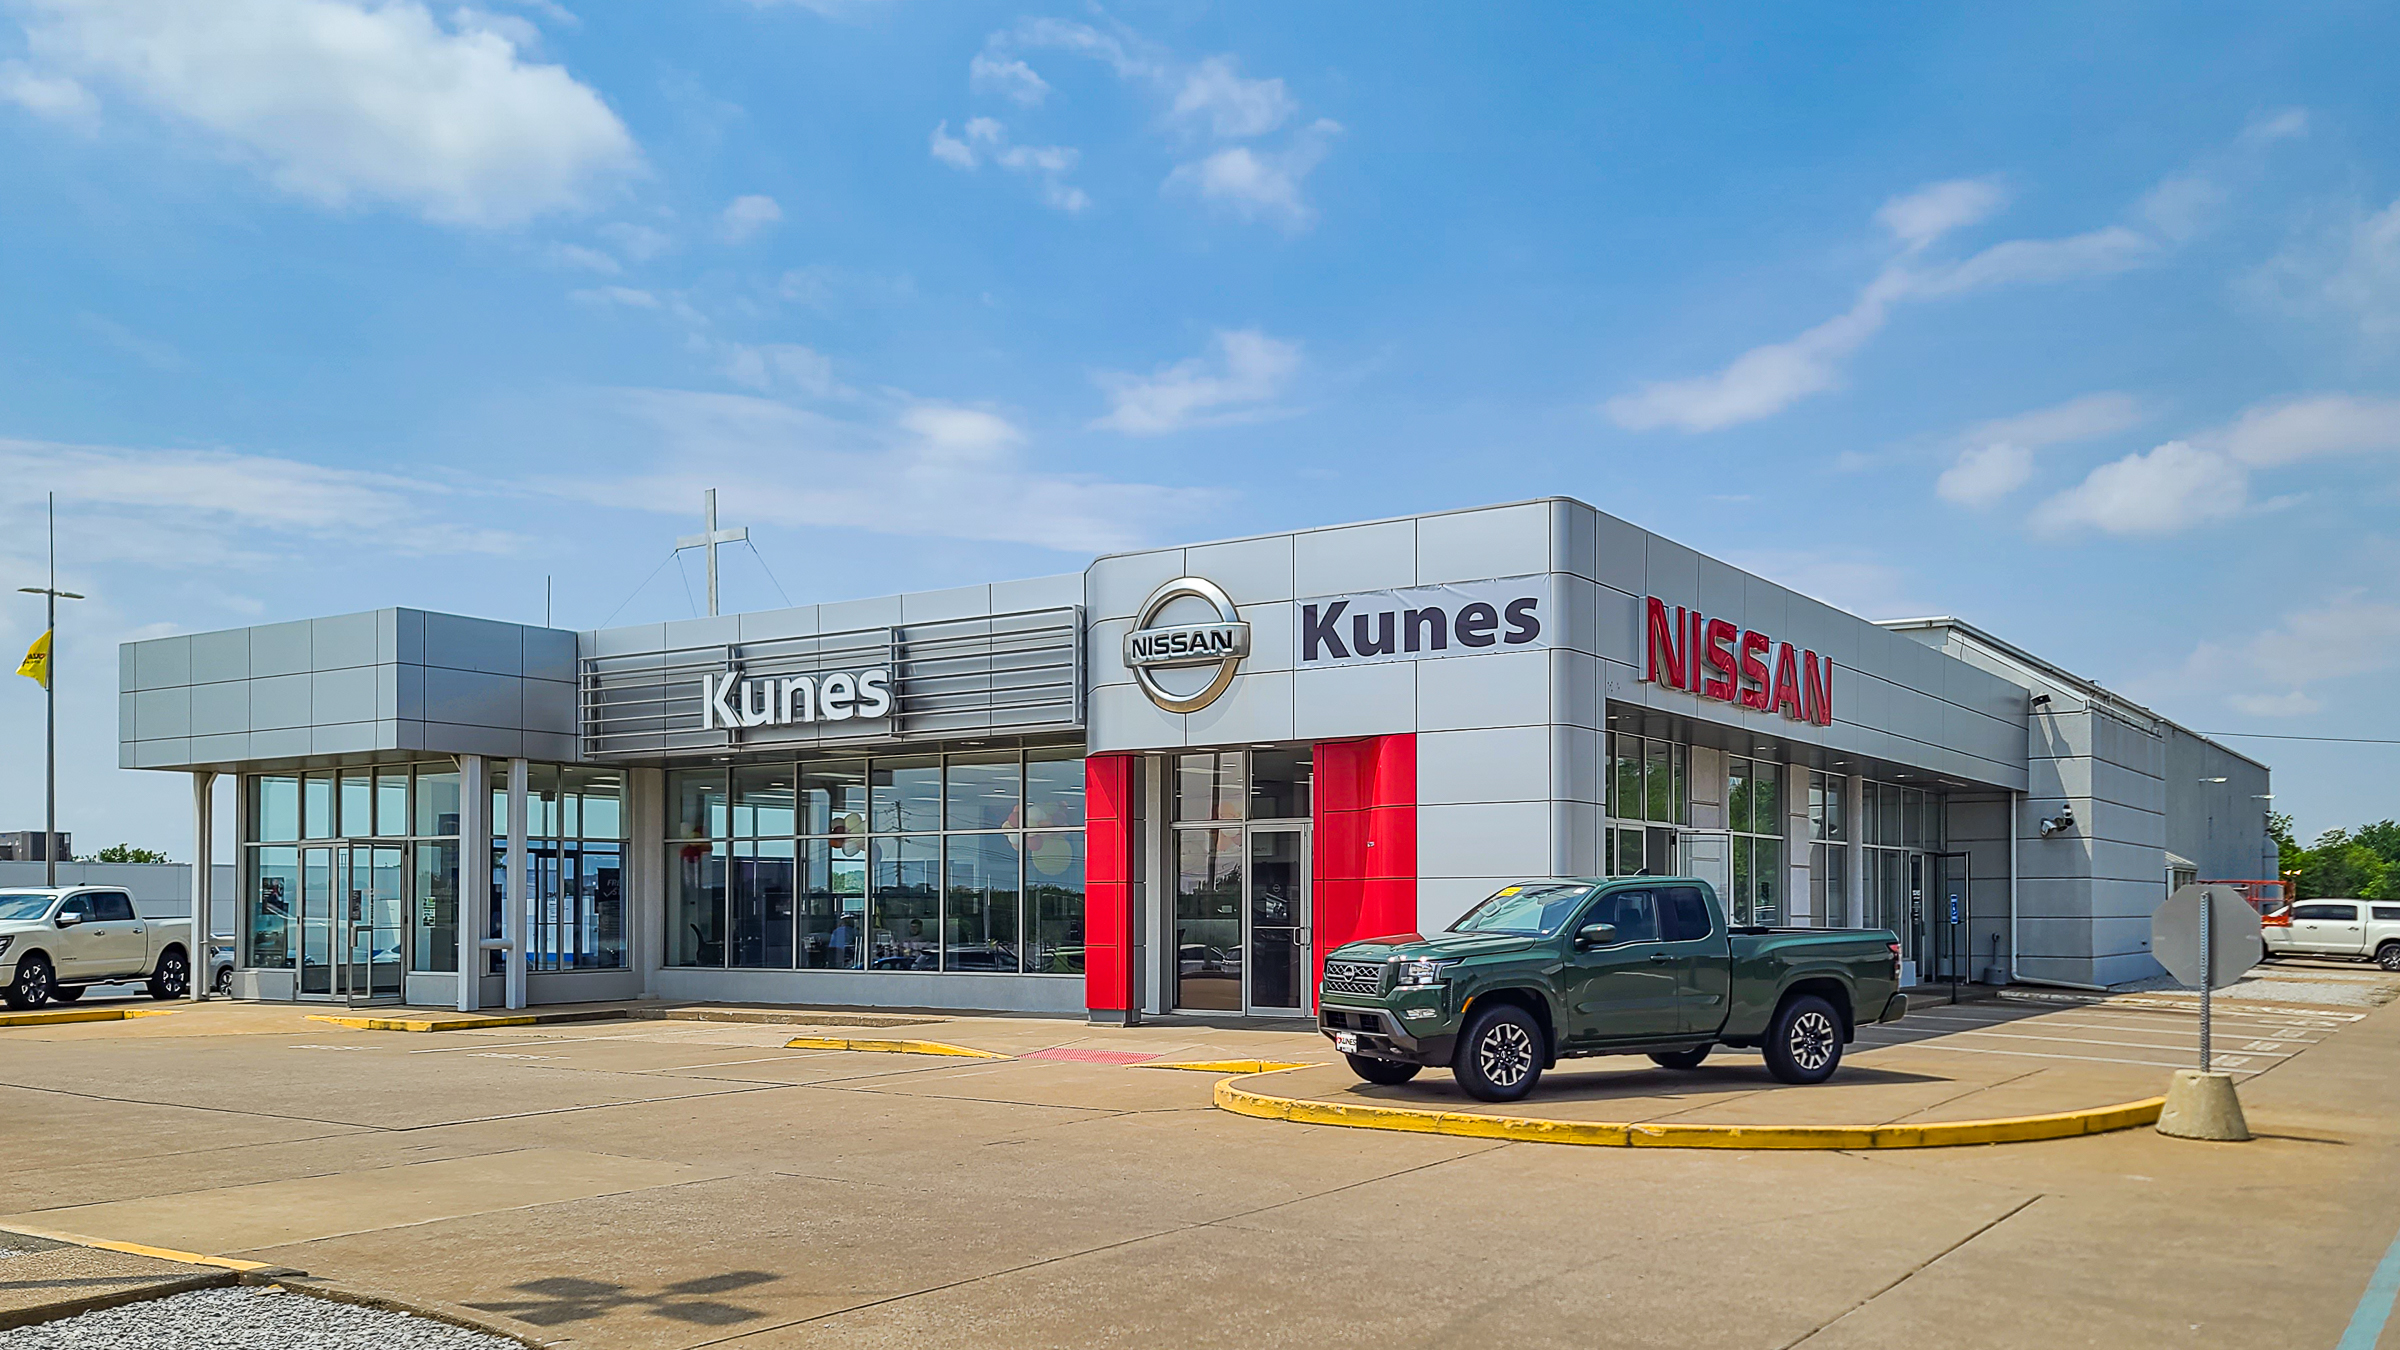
[708,538]
[49,678]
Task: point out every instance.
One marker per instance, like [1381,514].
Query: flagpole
[47,646]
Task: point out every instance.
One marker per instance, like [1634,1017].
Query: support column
[1854,793]
[202,942]
[513,917]
[1109,945]
[474,875]
[2016,815]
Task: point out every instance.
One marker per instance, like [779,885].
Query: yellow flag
[36,665]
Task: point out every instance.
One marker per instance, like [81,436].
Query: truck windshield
[1535,907]
[20,906]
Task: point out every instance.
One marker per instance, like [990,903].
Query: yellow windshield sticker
[1506,890]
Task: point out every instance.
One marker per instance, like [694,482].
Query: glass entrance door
[1280,968]
[350,911]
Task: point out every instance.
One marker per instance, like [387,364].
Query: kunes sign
[729,701]
[1686,650]
[1420,622]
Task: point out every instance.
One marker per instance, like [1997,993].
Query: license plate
[1346,1042]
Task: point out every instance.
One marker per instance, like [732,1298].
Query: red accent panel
[1109,784]
[1366,840]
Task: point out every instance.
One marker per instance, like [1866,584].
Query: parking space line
[2194,1046]
[2035,1054]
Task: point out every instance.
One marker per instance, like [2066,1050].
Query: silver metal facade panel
[1006,673]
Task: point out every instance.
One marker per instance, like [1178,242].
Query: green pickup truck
[1632,966]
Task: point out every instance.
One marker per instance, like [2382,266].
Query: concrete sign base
[2203,1106]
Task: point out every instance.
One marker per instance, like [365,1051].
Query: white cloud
[2307,428]
[1048,164]
[2173,487]
[639,243]
[747,215]
[2344,264]
[775,366]
[1996,457]
[1845,580]
[961,471]
[1260,186]
[628,296]
[1767,379]
[1009,77]
[2353,634]
[1234,108]
[1129,57]
[592,259]
[341,103]
[1249,370]
[191,508]
[1984,474]
[46,95]
[1920,217]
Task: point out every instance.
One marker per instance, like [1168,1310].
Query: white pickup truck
[2364,930]
[56,942]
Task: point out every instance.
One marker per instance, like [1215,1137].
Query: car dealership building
[1171,782]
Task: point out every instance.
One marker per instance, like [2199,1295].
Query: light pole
[47,648]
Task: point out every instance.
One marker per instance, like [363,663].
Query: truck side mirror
[69,919]
[1596,935]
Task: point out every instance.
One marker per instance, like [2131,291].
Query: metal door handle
[1661,957]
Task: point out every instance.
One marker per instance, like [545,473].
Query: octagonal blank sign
[2233,932]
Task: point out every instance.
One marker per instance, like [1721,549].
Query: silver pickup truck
[56,942]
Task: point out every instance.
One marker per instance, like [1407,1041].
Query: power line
[686,579]
[762,563]
[2279,736]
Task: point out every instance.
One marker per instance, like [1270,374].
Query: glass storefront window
[1054,889]
[696,904]
[833,797]
[316,806]
[1208,786]
[1279,783]
[907,794]
[274,906]
[832,904]
[763,800]
[1054,788]
[435,943]
[984,792]
[906,894]
[274,809]
[391,803]
[697,799]
[761,900]
[979,914]
[358,804]
[437,802]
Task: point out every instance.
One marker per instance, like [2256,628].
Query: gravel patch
[2322,987]
[250,1318]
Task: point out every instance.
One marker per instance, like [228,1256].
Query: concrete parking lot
[680,1183]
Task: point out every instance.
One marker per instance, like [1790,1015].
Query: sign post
[2207,937]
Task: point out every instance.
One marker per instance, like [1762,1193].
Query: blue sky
[2080,322]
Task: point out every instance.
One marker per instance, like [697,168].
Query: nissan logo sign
[1221,640]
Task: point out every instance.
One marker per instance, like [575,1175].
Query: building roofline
[2092,689]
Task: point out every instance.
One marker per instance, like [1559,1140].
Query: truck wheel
[31,988]
[1681,1059]
[173,978]
[66,993]
[2388,956]
[1389,1072]
[1805,1043]
[1500,1057]
[224,983]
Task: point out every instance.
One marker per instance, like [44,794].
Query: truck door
[2328,927]
[1703,971]
[1626,990]
[74,947]
[119,947]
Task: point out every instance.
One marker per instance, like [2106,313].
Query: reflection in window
[1208,785]
[833,904]
[979,920]
[1054,788]
[1054,891]
[696,905]
[985,791]
[907,794]
[906,898]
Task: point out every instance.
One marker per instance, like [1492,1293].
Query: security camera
[2060,823]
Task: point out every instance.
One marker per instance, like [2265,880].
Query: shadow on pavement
[558,1301]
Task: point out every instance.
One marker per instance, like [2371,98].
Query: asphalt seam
[1912,1272]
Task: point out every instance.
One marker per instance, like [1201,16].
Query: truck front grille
[1353,977]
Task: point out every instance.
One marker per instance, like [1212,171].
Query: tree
[2345,866]
[127,853]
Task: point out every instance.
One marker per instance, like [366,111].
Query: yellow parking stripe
[39,1019]
[887,1047]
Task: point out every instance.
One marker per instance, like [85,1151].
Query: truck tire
[1388,1072]
[1681,1059]
[1804,1045]
[173,978]
[31,988]
[1500,1057]
[224,984]
[2388,956]
[66,993]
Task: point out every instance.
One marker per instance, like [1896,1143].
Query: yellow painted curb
[1616,1134]
[889,1047]
[1229,1065]
[421,1023]
[139,1249]
[37,1019]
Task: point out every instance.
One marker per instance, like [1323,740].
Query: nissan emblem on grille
[1346,977]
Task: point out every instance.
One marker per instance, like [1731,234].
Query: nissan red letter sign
[1683,649]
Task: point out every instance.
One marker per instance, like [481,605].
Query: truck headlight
[1424,973]
[5,941]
